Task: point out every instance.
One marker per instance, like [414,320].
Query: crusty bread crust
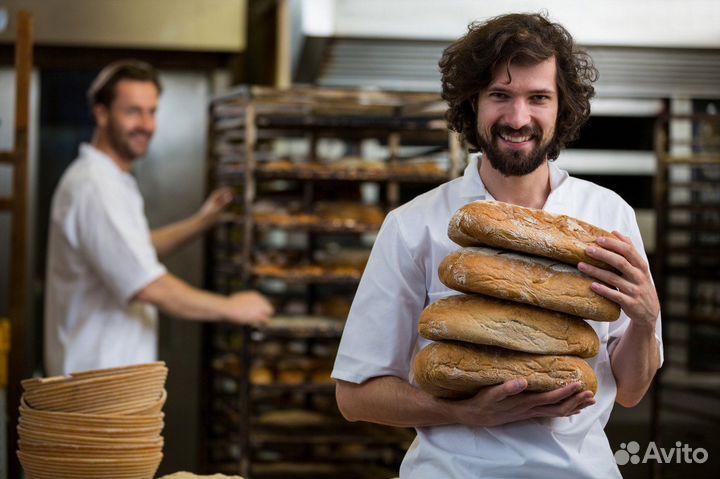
[525,230]
[481,319]
[457,370]
[526,279]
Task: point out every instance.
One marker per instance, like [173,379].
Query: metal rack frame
[687,255]
[250,115]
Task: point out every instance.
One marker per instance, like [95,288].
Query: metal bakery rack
[315,172]
[686,400]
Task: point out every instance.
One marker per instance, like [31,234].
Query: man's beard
[120,141]
[509,162]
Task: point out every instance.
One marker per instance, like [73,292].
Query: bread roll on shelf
[526,279]
[484,320]
[261,375]
[291,377]
[457,370]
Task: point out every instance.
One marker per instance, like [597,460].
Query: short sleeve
[381,330]
[114,239]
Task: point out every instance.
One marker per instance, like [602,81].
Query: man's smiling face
[516,117]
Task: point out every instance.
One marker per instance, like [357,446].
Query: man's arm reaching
[175,297]
[170,238]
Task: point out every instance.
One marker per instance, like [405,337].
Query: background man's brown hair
[103,88]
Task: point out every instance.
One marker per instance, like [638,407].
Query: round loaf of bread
[481,319]
[525,230]
[457,370]
[526,279]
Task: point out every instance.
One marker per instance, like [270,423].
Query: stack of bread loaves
[523,314]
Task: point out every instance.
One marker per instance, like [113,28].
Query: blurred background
[653,137]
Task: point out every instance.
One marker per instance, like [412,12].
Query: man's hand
[215,204]
[635,291]
[507,402]
[248,308]
[636,357]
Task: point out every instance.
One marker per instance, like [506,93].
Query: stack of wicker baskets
[97,424]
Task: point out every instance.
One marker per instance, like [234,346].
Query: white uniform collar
[471,185]
[558,187]
[104,161]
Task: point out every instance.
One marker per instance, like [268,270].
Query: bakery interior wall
[651,60]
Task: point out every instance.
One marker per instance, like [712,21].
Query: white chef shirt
[100,255]
[381,338]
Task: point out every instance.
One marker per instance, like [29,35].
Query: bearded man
[104,281]
[518,91]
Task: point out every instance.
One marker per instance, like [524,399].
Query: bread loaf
[525,279]
[484,320]
[455,370]
[525,230]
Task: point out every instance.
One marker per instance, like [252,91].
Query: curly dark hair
[467,67]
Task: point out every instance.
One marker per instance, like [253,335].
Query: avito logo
[680,454]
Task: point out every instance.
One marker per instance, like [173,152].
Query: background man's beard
[121,144]
[512,163]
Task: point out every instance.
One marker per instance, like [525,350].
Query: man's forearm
[391,401]
[634,362]
[177,298]
[170,238]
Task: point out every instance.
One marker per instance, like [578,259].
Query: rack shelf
[299,387]
[234,173]
[318,228]
[298,275]
[315,172]
[687,271]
